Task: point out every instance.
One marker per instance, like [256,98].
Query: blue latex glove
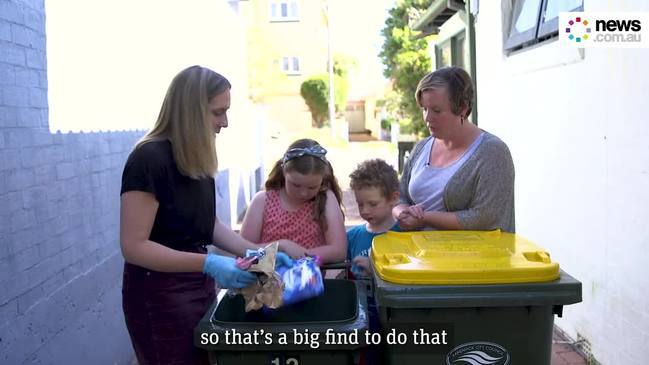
[225,272]
[282,259]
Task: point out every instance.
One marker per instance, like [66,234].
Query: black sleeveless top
[186,212]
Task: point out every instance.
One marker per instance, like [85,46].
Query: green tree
[406,58]
[315,92]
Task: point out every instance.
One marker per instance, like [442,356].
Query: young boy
[376,188]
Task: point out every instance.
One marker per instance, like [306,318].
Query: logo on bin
[478,353]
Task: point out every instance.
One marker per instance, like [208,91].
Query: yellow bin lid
[460,257]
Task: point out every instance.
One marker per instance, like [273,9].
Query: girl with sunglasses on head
[301,203]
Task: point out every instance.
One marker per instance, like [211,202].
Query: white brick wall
[59,196]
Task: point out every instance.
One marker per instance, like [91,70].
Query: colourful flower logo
[578,30]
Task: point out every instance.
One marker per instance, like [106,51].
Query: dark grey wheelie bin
[495,294]
[342,309]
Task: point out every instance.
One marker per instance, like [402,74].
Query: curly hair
[375,173]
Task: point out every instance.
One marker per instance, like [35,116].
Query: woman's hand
[402,210]
[282,259]
[408,222]
[292,249]
[416,211]
[411,218]
[398,210]
[226,273]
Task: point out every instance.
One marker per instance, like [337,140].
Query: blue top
[481,192]
[359,241]
[427,183]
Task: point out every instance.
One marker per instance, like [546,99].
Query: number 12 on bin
[276,359]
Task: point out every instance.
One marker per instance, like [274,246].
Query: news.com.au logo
[604,30]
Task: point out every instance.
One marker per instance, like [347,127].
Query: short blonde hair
[457,83]
[183,121]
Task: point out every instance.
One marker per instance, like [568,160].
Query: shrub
[315,92]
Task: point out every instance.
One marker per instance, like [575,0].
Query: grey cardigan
[481,192]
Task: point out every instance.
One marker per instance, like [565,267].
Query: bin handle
[538,256]
[336,265]
[395,258]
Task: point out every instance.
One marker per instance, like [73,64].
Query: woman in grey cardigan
[461,177]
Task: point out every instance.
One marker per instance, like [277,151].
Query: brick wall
[60,264]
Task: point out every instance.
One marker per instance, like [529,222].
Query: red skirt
[161,311]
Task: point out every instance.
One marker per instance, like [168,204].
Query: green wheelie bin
[325,330]
[491,296]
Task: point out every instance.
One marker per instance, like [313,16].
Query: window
[443,54]
[284,11]
[451,51]
[291,65]
[459,42]
[533,21]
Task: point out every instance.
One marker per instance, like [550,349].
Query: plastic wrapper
[268,289]
[302,281]
[244,263]
[282,287]
[266,292]
[265,262]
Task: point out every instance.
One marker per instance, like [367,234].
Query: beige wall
[372,121]
[289,111]
[268,42]
[355,116]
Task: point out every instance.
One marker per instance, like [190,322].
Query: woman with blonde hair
[168,216]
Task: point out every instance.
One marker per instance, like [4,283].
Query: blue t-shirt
[359,241]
